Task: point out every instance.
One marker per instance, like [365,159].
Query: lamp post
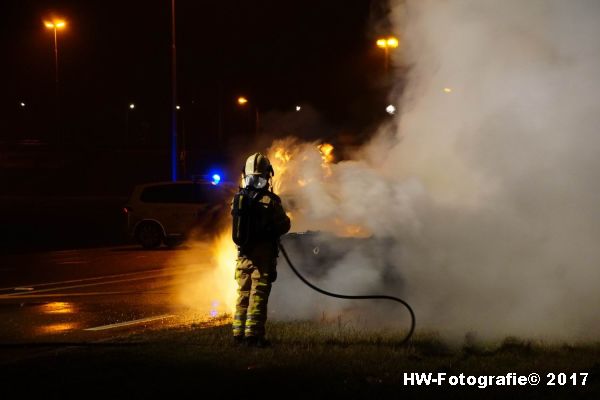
[56,25]
[130,109]
[182,143]
[24,121]
[174,144]
[242,102]
[386,44]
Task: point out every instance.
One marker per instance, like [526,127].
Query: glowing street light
[392,42]
[386,44]
[242,101]
[390,109]
[447,90]
[178,107]
[298,108]
[22,104]
[127,122]
[56,25]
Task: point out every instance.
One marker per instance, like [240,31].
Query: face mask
[255,181]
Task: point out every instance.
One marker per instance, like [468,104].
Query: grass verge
[320,359]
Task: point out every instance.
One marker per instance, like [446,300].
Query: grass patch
[323,357]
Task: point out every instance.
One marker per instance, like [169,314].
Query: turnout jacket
[269,222]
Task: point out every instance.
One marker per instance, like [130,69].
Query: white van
[168,212]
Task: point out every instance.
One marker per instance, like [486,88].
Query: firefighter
[258,222]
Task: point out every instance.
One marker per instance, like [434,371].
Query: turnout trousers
[254,287]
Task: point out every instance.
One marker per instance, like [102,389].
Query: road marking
[96,278]
[141,278]
[87,279]
[65,251]
[83,294]
[133,322]
[73,262]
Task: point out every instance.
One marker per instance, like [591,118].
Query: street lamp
[174,139]
[56,25]
[242,101]
[182,146]
[127,135]
[386,44]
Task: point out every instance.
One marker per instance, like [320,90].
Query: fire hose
[363,297]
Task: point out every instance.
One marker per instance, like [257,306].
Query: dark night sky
[279,53]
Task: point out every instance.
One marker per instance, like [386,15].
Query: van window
[179,193]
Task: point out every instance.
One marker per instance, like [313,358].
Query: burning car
[317,253]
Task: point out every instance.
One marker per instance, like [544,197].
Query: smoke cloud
[483,197]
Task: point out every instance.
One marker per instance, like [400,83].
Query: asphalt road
[89,295]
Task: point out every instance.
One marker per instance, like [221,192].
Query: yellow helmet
[258,164]
[257,171]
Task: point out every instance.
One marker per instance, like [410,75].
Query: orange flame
[282,155]
[288,158]
[209,286]
[354,230]
[288,154]
[224,256]
[326,151]
[280,158]
[350,230]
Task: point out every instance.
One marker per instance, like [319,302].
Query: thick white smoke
[489,191]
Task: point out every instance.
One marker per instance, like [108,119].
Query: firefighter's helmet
[257,171]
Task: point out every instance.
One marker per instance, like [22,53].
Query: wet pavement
[90,295]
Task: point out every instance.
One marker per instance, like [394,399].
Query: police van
[170,212]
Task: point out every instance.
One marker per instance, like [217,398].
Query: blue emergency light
[216,178]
